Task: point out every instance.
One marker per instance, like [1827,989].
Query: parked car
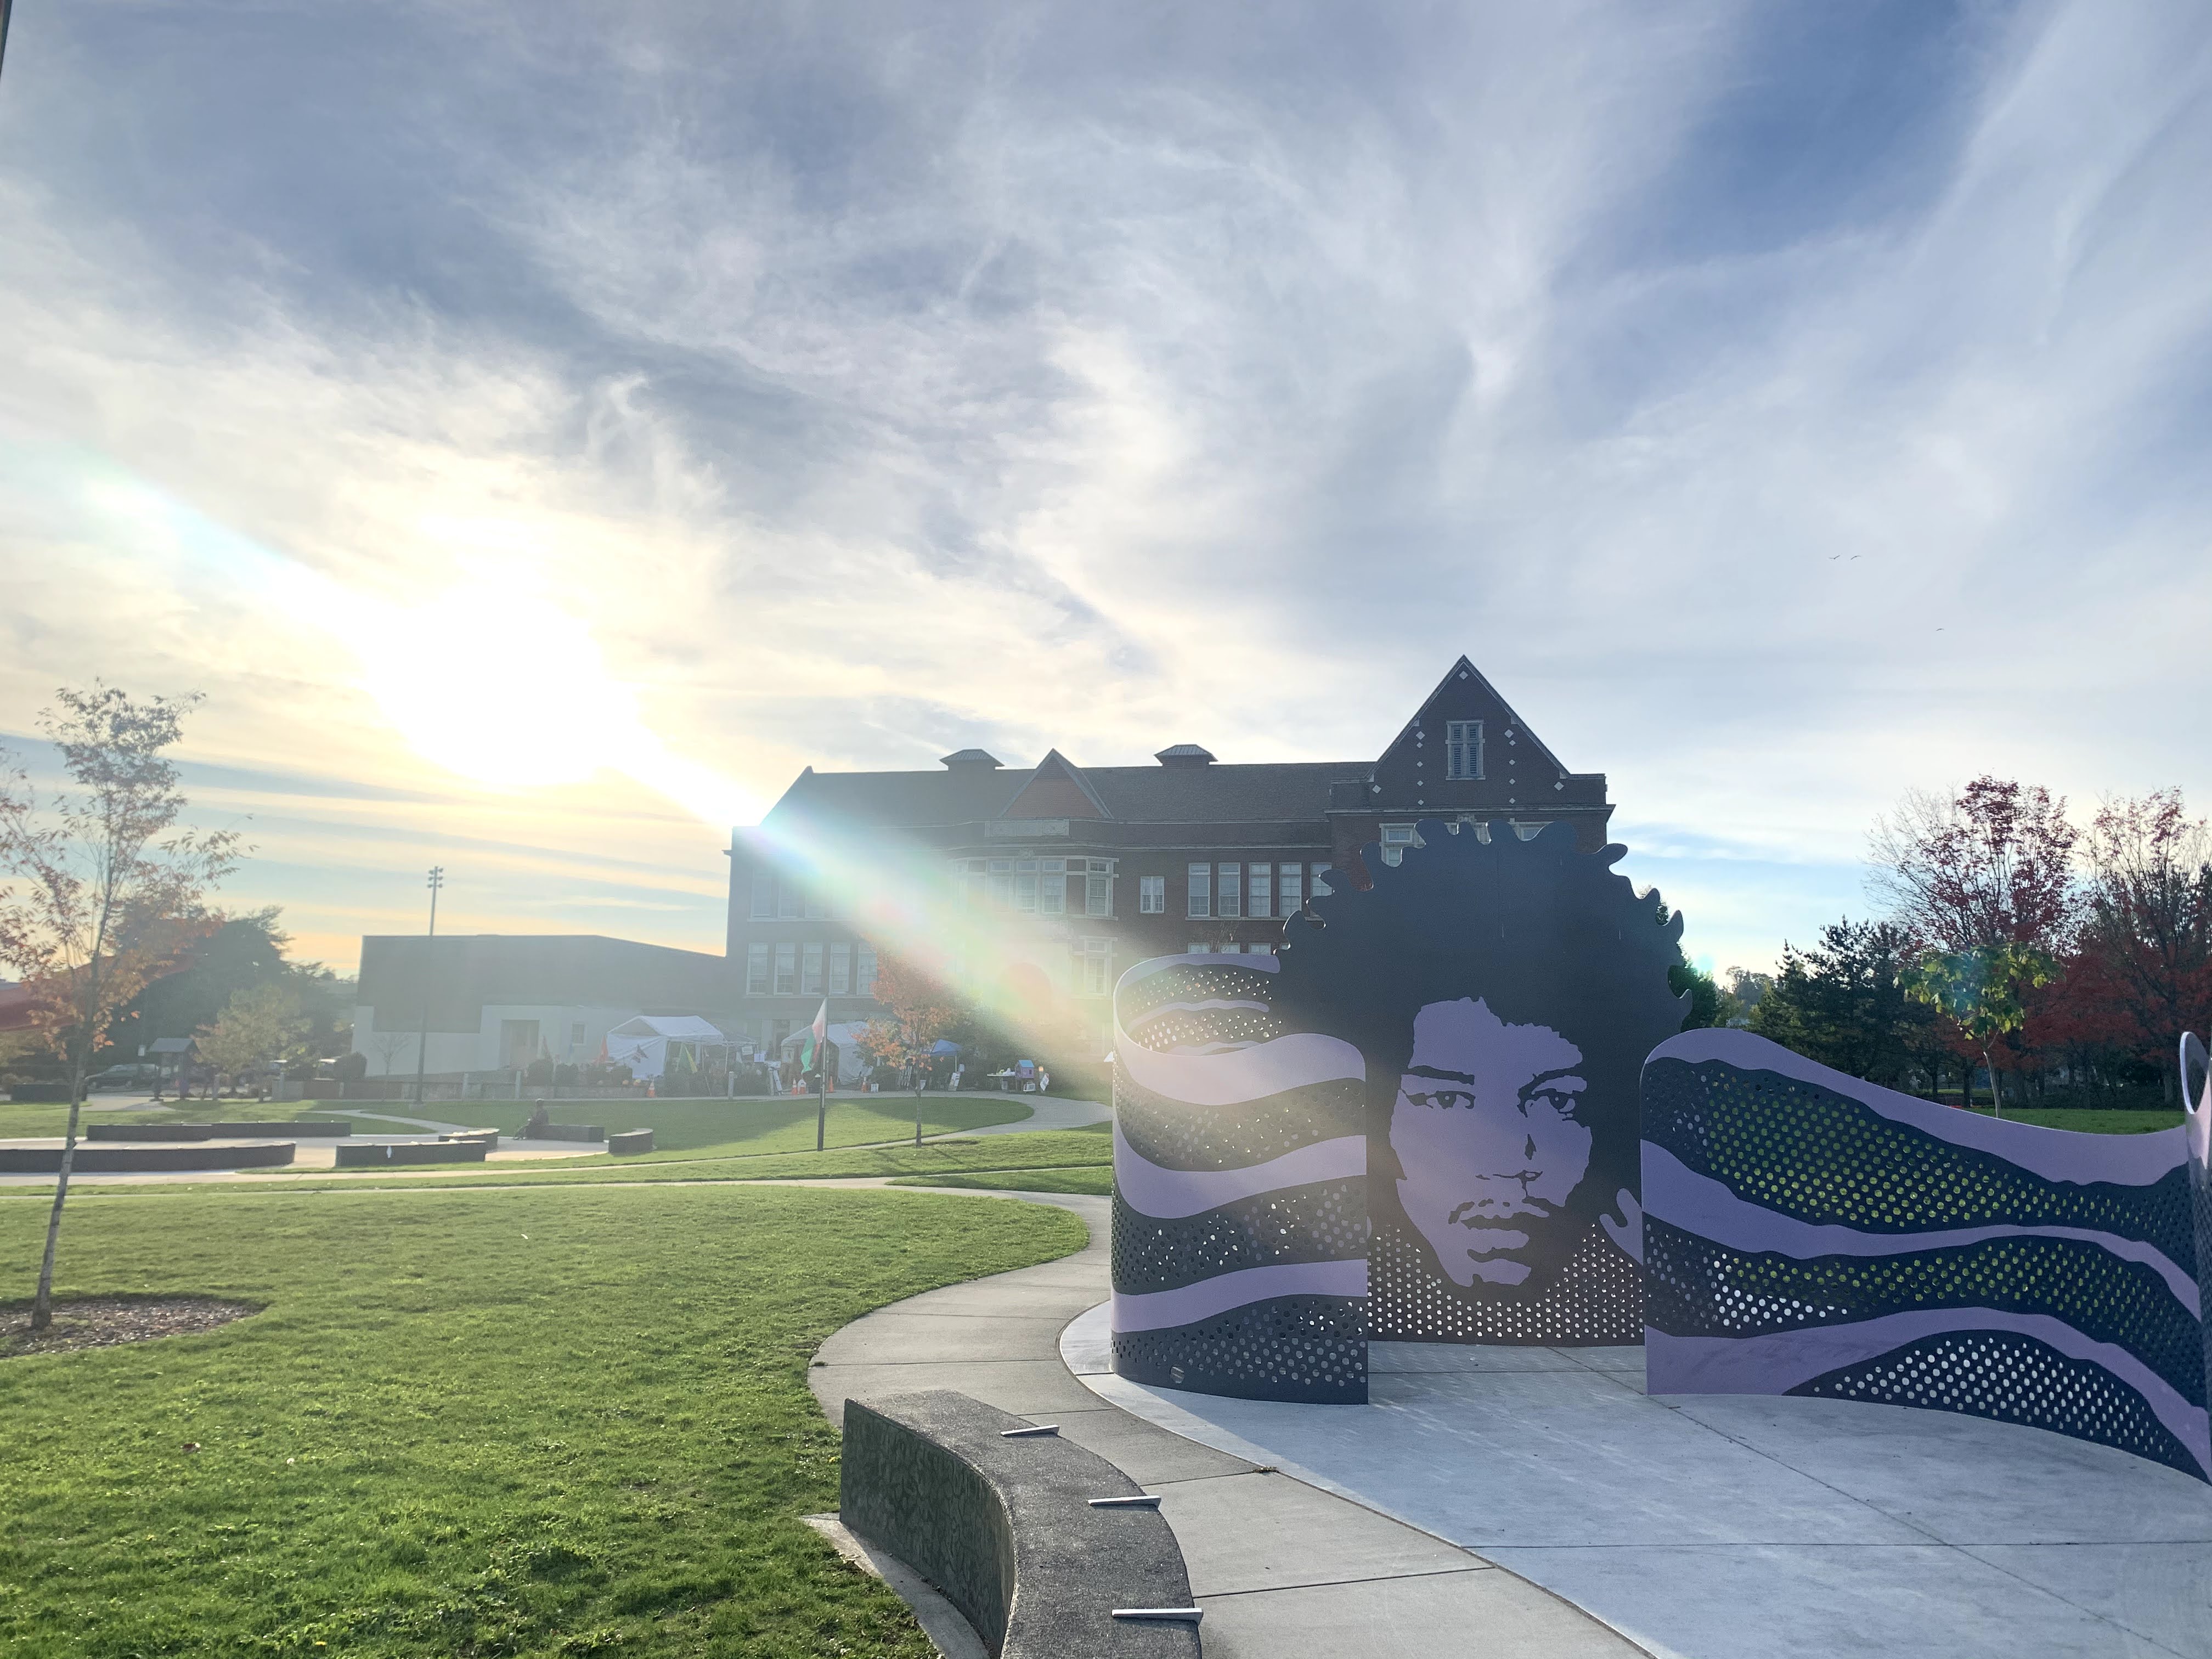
[133,1076]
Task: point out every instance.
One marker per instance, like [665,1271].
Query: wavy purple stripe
[1167,1195]
[1160,1310]
[1675,1193]
[1236,1075]
[1786,1359]
[2054,1154]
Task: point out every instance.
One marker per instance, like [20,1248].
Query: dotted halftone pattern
[2013,1379]
[1324,1222]
[1694,1287]
[1306,1349]
[1597,1300]
[1821,1157]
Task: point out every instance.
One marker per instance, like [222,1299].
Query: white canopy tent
[651,1042]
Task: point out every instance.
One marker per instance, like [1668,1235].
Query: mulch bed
[104,1322]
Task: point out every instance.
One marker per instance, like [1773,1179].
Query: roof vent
[959,759]
[1184,754]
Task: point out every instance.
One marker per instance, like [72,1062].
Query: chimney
[1184,754]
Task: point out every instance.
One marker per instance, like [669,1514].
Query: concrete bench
[412,1151]
[470,1137]
[143,1160]
[629,1141]
[1005,1528]
[568,1132]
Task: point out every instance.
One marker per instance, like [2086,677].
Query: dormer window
[1462,749]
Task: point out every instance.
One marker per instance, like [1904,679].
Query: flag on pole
[817,1035]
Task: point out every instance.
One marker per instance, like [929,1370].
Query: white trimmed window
[1025,886]
[1098,966]
[1260,889]
[1462,749]
[810,971]
[1002,885]
[1321,887]
[1291,888]
[1228,899]
[1200,897]
[864,971]
[1052,891]
[1396,838]
[1098,891]
[1152,894]
[841,970]
[756,970]
[786,970]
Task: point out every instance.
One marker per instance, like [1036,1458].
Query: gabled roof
[683,1028]
[1461,672]
[1057,789]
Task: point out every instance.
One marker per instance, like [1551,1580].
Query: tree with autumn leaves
[106,894]
[2027,945]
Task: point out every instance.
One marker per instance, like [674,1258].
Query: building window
[813,908]
[1229,901]
[809,971]
[786,970]
[1099,893]
[780,1028]
[1198,947]
[1201,890]
[1001,891]
[1098,963]
[1320,888]
[1025,886]
[841,970]
[1290,889]
[1529,829]
[1260,950]
[756,970]
[864,971]
[1260,890]
[1396,838]
[1462,749]
[763,896]
[576,1035]
[1052,894]
[1152,894]
[786,899]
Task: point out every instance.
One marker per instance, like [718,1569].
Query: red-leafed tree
[2145,955]
[1992,865]
[106,897]
[1984,882]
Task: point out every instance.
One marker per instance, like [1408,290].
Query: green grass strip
[553,1423]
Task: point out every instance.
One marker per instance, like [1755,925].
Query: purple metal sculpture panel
[1240,1177]
[1808,1233]
[1470,1031]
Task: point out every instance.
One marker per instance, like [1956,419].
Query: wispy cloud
[1783,409]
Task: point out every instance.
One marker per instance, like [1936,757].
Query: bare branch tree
[106,904]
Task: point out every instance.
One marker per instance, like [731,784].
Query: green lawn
[2088,1121]
[484,1424]
[1097,1179]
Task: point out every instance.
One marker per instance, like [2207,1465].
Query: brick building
[1034,888]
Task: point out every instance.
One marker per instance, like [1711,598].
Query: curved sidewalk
[1284,1570]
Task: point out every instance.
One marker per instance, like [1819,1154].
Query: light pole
[422,1043]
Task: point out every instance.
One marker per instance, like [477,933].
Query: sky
[541,430]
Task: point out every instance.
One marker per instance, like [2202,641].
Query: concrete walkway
[1740,1527]
[1284,1569]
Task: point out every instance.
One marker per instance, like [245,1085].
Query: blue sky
[542,430]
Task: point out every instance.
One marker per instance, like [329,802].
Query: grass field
[2090,1122]
[481,1423]
[1096,1179]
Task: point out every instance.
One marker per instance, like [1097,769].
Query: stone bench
[143,1160]
[412,1151]
[567,1132]
[629,1141]
[1004,1527]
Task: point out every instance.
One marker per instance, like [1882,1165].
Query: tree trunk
[42,1308]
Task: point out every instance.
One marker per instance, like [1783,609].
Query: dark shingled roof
[1141,794]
